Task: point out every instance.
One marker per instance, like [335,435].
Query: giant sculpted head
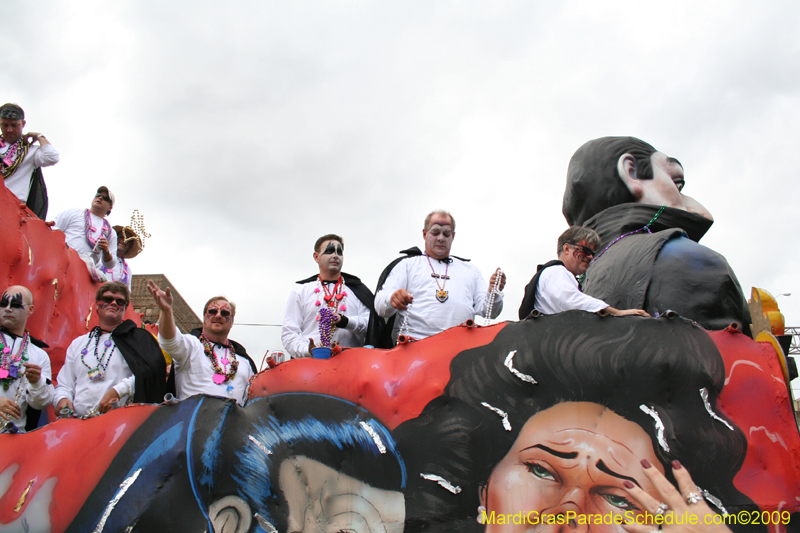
[615,170]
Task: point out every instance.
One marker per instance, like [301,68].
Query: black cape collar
[36,342]
[624,218]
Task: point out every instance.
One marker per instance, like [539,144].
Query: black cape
[361,291]
[664,270]
[146,361]
[529,300]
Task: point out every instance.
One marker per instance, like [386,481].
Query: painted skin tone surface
[16,305]
[571,458]
[322,500]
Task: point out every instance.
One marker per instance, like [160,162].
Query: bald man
[25,376]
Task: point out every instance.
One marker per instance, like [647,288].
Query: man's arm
[46,155]
[168,336]
[482,292]
[109,248]
[64,393]
[394,295]
[40,392]
[292,329]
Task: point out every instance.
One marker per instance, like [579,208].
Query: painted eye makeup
[331,249]
[15,302]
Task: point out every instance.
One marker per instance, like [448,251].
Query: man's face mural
[570,460]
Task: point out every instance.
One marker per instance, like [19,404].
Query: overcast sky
[243,131]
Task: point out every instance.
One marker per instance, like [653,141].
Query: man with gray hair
[21,160]
[555,289]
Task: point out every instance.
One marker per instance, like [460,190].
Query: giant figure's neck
[624,218]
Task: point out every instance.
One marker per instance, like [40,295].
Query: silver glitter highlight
[123,488]
[442,482]
[506,423]
[510,365]
[659,426]
[716,502]
[715,416]
[375,437]
[260,446]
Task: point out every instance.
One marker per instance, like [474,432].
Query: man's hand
[109,399]
[62,403]
[162,298]
[493,280]
[400,299]
[102,244]
[311,347]
[626,312]
[9,409]
[33,136]
[32,372]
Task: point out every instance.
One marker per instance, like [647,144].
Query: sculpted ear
[230,514]
[626,167]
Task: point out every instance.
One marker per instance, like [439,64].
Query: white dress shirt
[37,395]
[73,223]
[300,320]
[73,379]
[38,156]
[194,373]
[558,291]
[467,296]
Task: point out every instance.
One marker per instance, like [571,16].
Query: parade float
[426,436]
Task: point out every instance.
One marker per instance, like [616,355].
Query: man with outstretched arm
[25,367]
[204,361]
[555,287]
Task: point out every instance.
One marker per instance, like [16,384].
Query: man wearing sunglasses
[348,299]
[115,363]
[431,291]
[25,366]
[205,361]
[555,289]
[89,233]
[22,156]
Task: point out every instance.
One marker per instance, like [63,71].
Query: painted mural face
[322,500]
[439,236]
[330,258]
[570,459]
[668,180]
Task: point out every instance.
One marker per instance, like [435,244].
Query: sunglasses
[13,304]
[105,198]
[121,302]
[211,311]
[585,250]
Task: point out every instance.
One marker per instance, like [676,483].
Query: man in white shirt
[341,293]
[129,245]
[208,363]
[88,232]
[21,159]
[115,363]
[555,287]
[434,291]
[25,369]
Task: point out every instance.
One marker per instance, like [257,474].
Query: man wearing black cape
[349,301]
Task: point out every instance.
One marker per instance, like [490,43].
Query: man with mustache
[205,361]
[555,287]
[343,294]
[24,367]
[115,363]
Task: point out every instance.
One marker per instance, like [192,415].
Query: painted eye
[620,502]
[539,471]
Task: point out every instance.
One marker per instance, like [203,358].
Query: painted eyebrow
[551,451]
[675,161]
[601,466]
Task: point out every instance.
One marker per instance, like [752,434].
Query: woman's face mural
[323,500]
[571,460]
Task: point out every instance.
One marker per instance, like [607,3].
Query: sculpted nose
[570,513]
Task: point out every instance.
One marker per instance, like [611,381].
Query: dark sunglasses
[585,250]
[105,198]
[110,300]
[222,312]
[13,304]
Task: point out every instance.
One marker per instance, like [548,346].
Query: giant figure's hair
[619,363]
[593,182]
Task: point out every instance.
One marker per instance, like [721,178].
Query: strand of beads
[137,224]
[487,317]
[220,375]
[11,366]
[646,227]
[325,326]
[105,233]
[404,326]
[98,373]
